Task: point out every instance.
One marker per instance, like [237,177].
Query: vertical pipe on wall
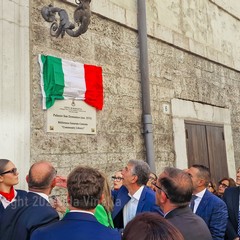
[147,118]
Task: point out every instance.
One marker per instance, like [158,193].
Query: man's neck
[5,189]
[199,189]
[71,208]
[133,188]
[45,191]
[168,207]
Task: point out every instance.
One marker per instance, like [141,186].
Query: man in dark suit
[206,205]
[173,193]
[231,198]
[26,214]
[85,187]
[133,197]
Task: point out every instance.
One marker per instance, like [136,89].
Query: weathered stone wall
[174,73]
[178,74]
[118,137]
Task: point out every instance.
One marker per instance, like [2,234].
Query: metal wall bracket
[62,25]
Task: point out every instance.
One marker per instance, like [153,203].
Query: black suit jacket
[189,224]
[23,216]
[231,198]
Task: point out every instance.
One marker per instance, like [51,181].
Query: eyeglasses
[117,179]
[224,185]
[13,171]
[155,185]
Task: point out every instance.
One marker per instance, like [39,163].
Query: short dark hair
[44,179]
[141,169]
[203,172]
[3,163]
[85,187]
[150,226]
[178,186]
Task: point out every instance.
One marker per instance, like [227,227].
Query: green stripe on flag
[53,78]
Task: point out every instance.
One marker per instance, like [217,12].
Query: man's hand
[61,182]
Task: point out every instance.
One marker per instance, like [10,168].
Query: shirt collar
[82,211]
[43,195]
[137,194]
[200,194]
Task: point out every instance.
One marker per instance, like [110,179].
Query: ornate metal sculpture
[81,16]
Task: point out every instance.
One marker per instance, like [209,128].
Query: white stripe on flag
[42,82]
[74,80]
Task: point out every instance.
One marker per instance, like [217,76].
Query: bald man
[22,217]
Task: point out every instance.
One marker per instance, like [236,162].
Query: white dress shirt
[198,199]
[130,209]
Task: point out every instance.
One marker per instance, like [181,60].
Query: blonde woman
[104,209]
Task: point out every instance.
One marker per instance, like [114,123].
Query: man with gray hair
[133,197]
[173,192]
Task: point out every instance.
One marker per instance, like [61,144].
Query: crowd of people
[175,205]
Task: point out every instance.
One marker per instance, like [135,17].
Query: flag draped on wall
[64,79]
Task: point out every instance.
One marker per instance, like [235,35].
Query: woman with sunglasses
[8,178]
[224,183]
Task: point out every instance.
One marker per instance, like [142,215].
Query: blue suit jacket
[147,203]
[20,194]
[23,216]
[231,198]
[76,226]
[214,212]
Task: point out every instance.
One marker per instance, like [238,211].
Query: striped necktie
[192,202]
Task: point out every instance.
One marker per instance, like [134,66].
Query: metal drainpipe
[147,118]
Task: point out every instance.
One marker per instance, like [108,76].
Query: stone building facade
[193,53]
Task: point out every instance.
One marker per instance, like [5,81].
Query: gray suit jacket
[189,224]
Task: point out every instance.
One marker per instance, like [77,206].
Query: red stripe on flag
[94,86]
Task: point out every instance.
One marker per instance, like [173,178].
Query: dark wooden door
[206,146]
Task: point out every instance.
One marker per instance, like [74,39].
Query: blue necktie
[192,202]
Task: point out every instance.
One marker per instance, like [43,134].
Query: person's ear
[68,199]
[27,178]
[163,196]
[201,182]
[53,183]
[1,178]
[134,178]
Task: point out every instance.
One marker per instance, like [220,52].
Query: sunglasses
[224,185]
[155,185]
[117,179]
[13,171]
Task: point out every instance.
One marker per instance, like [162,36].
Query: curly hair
[85,187]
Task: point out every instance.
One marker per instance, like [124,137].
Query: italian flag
[64,79]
